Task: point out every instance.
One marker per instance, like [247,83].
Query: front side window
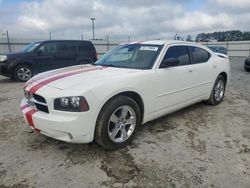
[134,56]
[48,48]
[178,53]
[199,55]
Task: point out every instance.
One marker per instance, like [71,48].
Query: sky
[120,19]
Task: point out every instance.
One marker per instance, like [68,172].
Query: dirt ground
[200,146]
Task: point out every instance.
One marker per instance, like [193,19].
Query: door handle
[191,70]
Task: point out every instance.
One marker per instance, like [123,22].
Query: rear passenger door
[86,53]
[66,54]
[200,71]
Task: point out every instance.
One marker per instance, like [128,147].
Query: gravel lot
[200,146]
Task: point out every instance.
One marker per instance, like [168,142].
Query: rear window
[199,55]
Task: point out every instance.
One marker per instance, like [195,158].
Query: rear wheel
[218,91]
[22,73]
[117,123]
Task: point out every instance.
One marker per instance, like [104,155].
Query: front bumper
[64,126]
[4,70]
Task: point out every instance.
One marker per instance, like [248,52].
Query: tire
[218,91]
[247,69]
[112,123]
[22,73]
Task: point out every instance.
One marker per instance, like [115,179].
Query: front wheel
[247,69]
[117,123]
[218,91]
[22,73]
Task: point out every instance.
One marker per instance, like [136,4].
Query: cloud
[138,19]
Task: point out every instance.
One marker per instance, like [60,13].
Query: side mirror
[170,62]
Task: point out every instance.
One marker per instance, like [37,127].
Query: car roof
[164,42]
[85,41]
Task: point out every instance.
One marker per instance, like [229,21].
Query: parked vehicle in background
[247,64]
[218,49]
[46,55]
[132,84]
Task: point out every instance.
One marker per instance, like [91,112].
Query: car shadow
[7,80]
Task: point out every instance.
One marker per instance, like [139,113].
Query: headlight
[3,58]
[71,104]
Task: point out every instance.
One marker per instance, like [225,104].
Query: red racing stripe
[41,84]
[24,107]
[29,117]
[53,73]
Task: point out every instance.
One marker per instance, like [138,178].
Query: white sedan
[130,85]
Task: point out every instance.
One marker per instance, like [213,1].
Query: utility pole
[82,36]
[49,35]
[107,43]
[93,27]
[128,38]
[8,40]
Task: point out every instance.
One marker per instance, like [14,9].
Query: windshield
[132,56]
[31,47]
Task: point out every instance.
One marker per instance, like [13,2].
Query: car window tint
[178,52]
[199,55]
[48,48]
[83,48]
[66,48]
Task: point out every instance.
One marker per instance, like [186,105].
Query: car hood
[16,54]
[83,76]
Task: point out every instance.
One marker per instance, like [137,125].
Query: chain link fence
[235,48]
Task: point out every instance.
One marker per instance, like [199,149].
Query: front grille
[39,98]
[42,108]
[36,101]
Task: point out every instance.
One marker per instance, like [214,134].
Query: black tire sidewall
[15,75]
[101,132]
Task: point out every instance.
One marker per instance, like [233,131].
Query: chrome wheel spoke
[114,118]
[114,132]
[124,112]
[124,134]
[130,121]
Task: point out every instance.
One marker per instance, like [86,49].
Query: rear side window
[178,52]
[66,48]
[83,48]
[199,55]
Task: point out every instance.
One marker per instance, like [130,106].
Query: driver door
[173,83]
[45,59]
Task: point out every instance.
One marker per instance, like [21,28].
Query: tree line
[234,35]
